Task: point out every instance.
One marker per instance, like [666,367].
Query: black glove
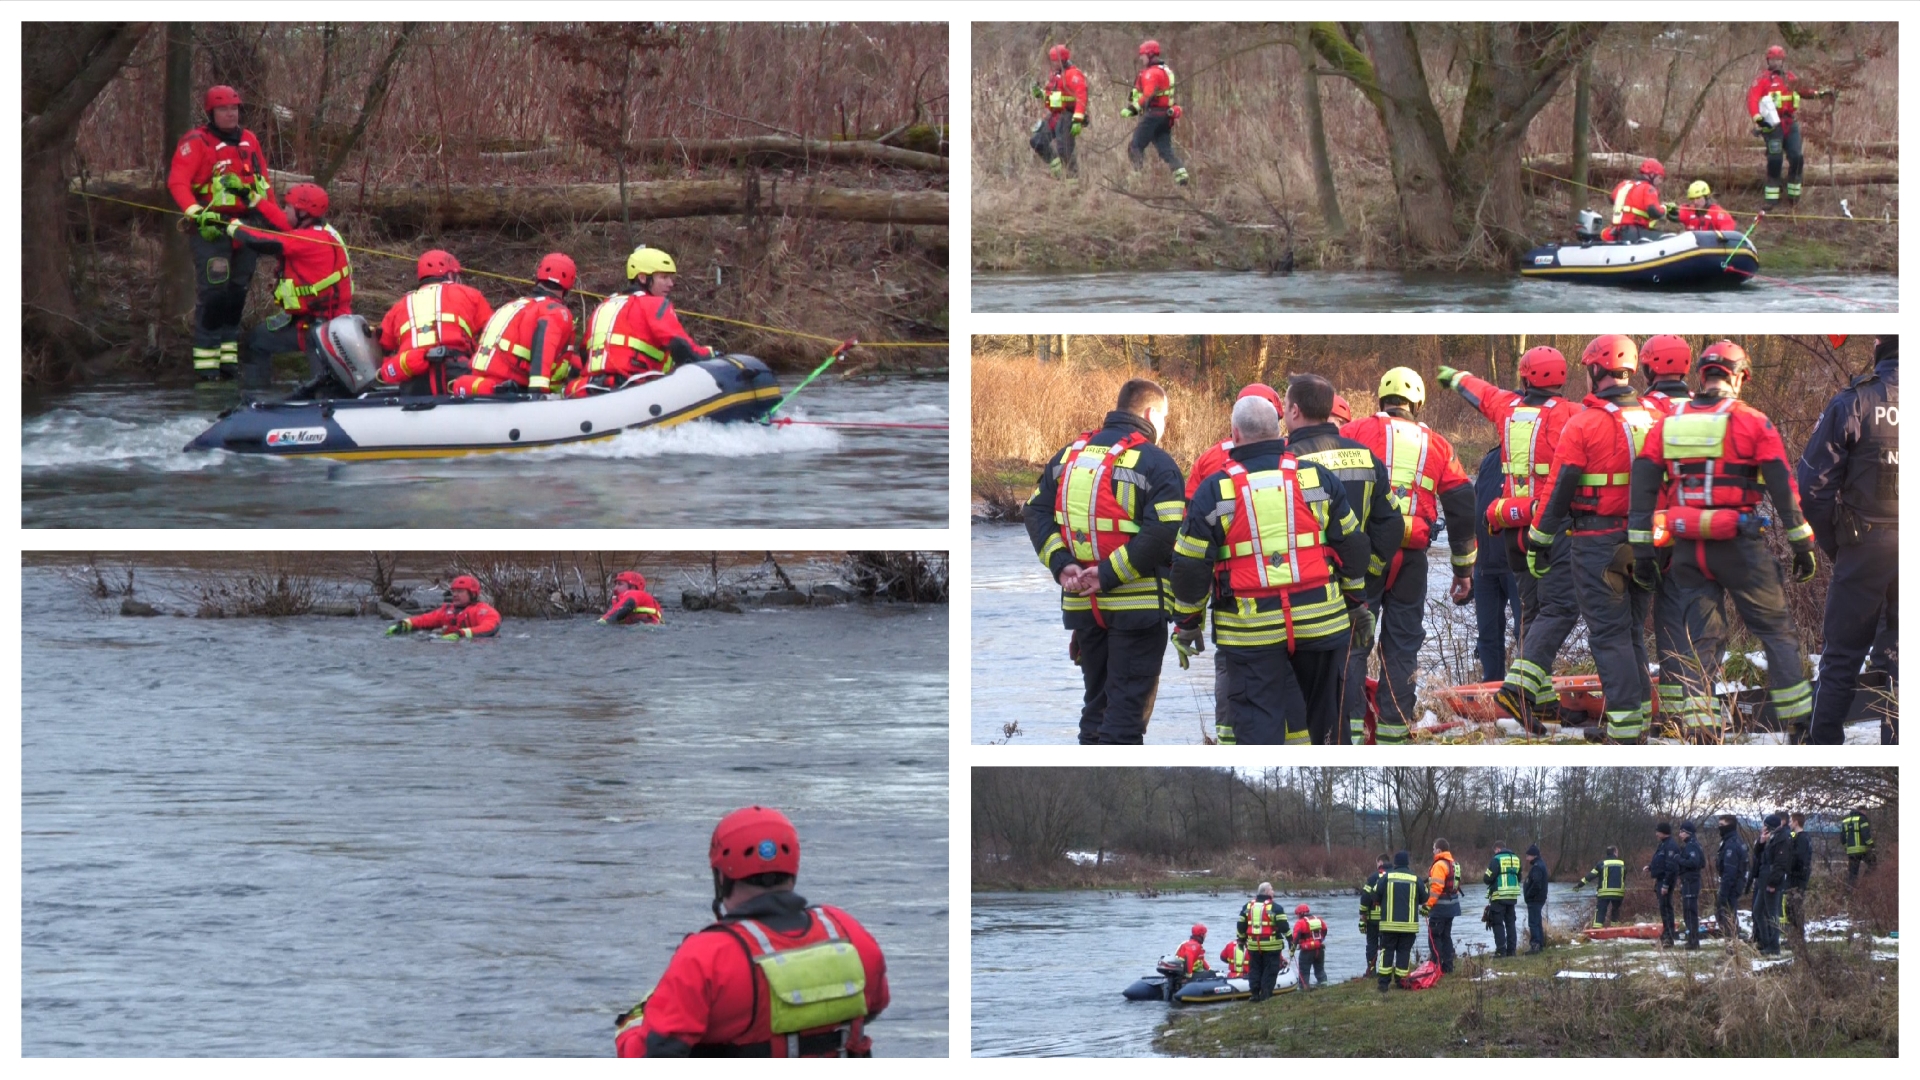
[1804,565]
[1646,573]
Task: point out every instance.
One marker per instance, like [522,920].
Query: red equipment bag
[1509,513]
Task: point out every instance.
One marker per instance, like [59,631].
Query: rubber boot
[1180,177]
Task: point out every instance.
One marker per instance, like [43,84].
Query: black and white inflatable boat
[1682,260]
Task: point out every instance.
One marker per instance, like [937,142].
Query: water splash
[704,438]
[64,438]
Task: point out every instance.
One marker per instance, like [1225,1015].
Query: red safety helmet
[309,199]
[1612,352]
[754,840]
[1725,356]
[557,269]
[1665,354]
[1776,52]
[1059,54]
[1651,167]
[218,96]
[467,582]
[630,578]
[1543,366]
[1342,411]
[1199,930]
[1264,392]
[1149,47]
[436,263]
[1302,910]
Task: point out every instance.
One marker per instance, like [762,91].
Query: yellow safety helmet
[646,261]
[1698,190]
[1406,383]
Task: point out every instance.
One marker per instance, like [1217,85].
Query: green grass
[1839,1004]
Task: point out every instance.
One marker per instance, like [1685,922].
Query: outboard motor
[346,344]
[1586,226]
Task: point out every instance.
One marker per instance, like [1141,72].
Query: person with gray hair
[1291,552]
[1263,929]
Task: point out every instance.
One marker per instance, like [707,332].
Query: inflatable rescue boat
[1682,260]
[1210,987]
[369,423]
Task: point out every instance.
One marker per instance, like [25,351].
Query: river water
[1048,968]
[297,837]
[111,457]
[1021,673]
[1385,290]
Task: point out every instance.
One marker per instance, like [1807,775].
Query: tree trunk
[376,98]
[1416,140]
[1606,168]
[177,117]
[1336,223]
[64,66]
[491,207]
[1582,131]
[780,149]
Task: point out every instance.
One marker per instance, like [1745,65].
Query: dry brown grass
[1244,135]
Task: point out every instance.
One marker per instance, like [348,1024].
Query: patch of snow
[1895,957]
[1758,659]
[1762,965]
[1586,974]
[1509,726]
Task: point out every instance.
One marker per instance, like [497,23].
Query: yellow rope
[1774,213]
[529,281]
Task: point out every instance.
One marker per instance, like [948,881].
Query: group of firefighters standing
[1262,941]
[1312,548]
[1066,99]
[441,338]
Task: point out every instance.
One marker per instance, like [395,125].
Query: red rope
[1806,289]
[853,424]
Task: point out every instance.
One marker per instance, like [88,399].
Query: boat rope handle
[1800,217]
[529,281]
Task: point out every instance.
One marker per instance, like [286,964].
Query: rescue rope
[1875,304]
[824,365]
[529,281]
[1791,214]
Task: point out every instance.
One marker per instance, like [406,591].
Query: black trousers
[1537,925]
[1550,608]
[1373,944]
[222,271]
[1616,614]
[1743,571]
[1053,140]
[1784,142]
[1401,628]
[1606,910]
[1866,584]
[1155,129]
[1690,909]
[1796,913]
[1506,931]
[1766,920]
[1496,608]
[1120,670]
[1263,970]
[1666,913]
[1855,863]
[1440,940]
[1396,955]
[1264,702]
[279,334]
[1726,913]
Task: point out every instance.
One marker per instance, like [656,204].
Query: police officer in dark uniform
[1688,862]
[1313,436]
[1731,864]
[1118,607]
[1798,878]
[1849,489]
[1664,870]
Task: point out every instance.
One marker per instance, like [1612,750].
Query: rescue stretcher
[1637,931]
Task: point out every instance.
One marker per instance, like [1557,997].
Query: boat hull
[728,388]
[1689,260]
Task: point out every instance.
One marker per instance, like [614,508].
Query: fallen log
[1603,169]
[492,206]
[771,148]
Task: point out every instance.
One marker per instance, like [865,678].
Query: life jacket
[230,177]
[602,335]
[1235,957]
[330,292]
[1413,474]
[1782,88]
[1506,877]
[1154,96]
[815,991]
[495,355]
[1855,834]
[1521,450]
[1422,977]
[1706,219]
[1604,491]
[1613,878]
[1316,933]
[1088,506]
[1193,955]
[1274,544]
[1263,931]
[1375,888]
[1701,472]
[1064,91]
[1399,903]
[1450,888]
[1625,211]
[429,323]
[1661,403]
[1871,488]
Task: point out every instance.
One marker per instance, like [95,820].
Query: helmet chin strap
[721,886]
